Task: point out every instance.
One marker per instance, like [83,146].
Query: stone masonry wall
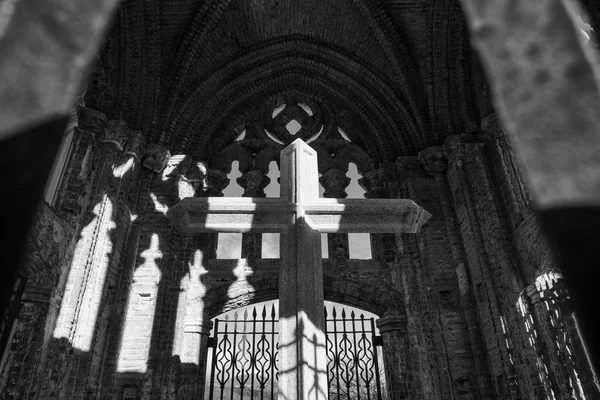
[118,303]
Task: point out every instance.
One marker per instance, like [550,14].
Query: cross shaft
[300,216]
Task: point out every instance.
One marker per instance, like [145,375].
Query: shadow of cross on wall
[300,217]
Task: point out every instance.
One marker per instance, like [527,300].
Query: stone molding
[202,328]
[434,160]
[454,146]
[391,323]
[92,122]
[115,133]
[408,167]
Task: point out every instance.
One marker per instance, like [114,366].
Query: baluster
[253,182]
[335,182]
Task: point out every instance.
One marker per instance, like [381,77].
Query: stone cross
[299,215]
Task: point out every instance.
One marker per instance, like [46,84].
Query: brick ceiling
[398,75]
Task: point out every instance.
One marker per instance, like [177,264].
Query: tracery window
[251,164]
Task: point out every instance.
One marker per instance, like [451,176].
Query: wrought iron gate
[245,350]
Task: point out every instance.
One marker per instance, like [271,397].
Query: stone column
[547,310]
[121,191]
[254,183]
[82,321]
[492,267]
[74,188]
[194,333]
[507,172]
[396,356]
[549,323]
[335,182]
[435,163]
[408,269]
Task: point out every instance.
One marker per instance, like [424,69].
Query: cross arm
[372,215]
[231,214]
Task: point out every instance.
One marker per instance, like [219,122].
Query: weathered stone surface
[156,157]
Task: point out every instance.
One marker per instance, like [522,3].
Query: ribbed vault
[399,75]
[383,118]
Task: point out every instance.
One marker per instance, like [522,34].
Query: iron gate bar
[253,358]
[353,362]
[274,358]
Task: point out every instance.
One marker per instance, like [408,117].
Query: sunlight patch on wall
[85,284]
[241,285]
[158,206]
[121,170]
[139,318]
[190,311]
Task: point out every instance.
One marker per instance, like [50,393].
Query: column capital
[434,160]
[391,323]
[92,121]
[202,328]
[156,157]
[408,167]
[454,145]
[115,133]
[549,286]
[135,145]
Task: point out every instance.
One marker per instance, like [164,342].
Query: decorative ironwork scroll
[355,368]
[244,362]
[245,350]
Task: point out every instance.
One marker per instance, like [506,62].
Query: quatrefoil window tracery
[291,120]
